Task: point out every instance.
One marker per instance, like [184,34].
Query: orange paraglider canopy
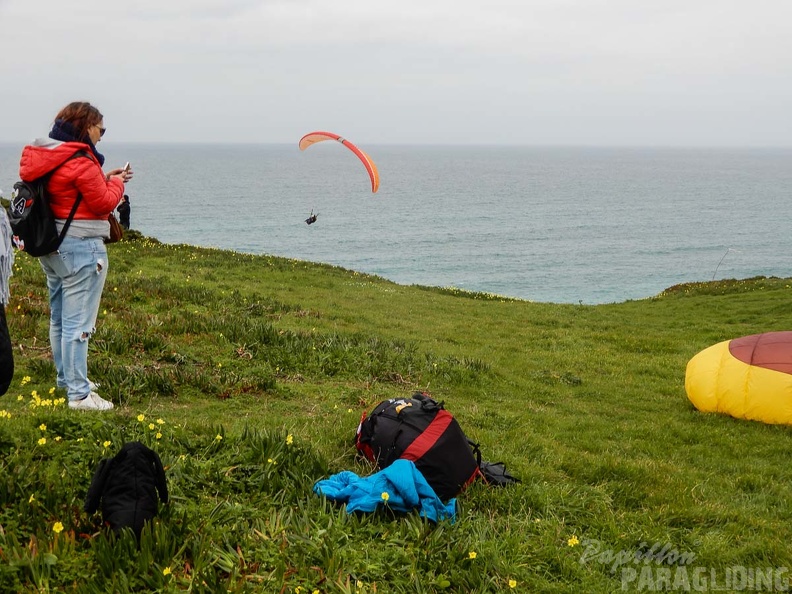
[314,137]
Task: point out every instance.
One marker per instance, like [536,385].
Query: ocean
[547,224]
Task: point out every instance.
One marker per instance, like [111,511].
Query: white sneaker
[91,402]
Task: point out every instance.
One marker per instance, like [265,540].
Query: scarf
[65,132]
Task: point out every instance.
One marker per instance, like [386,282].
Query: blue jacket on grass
[404,484]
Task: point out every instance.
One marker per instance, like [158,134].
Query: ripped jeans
[76,275]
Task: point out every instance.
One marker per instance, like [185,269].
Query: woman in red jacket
[76,273]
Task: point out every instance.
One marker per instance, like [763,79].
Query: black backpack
[31,217]
[127,486]
[421,430]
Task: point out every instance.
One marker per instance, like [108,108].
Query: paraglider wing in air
[314,137]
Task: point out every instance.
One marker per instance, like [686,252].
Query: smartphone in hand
[127,167]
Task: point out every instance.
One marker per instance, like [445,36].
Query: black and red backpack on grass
[421,430]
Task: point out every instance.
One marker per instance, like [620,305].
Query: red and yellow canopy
[747,378]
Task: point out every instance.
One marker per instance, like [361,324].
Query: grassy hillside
[249,374]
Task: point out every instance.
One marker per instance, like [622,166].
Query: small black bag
[127,486]
[494,473]
[31,217]
[421,430]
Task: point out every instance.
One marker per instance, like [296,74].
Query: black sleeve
[95,491]
[6,354]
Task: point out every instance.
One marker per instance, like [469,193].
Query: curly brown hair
[82,115]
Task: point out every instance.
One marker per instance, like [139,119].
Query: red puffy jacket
[81,175]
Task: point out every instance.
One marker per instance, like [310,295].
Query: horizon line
[445,144]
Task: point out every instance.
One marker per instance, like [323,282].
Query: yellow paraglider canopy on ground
[748,378]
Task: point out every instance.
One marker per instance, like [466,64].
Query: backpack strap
[476,450]
[70,218]
[424,442]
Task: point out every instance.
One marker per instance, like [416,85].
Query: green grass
[214,358]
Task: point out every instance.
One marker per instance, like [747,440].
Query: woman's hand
[123,174]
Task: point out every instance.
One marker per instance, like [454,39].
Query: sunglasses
[101,130]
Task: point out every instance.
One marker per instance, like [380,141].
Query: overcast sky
[538,72]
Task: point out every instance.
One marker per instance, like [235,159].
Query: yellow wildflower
[166,571]
[512,583]
[107,443]
[52,390]
[57,527]
[158,435]
[573,541]
[42,441]
[32,498]
[151,426]
[472,555]
[141,417]
[289,439]
[218,437]
[385,496]
[43,427]
[160,422]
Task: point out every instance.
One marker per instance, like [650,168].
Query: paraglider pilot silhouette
[312,219]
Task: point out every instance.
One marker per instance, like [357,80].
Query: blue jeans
[76,275]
